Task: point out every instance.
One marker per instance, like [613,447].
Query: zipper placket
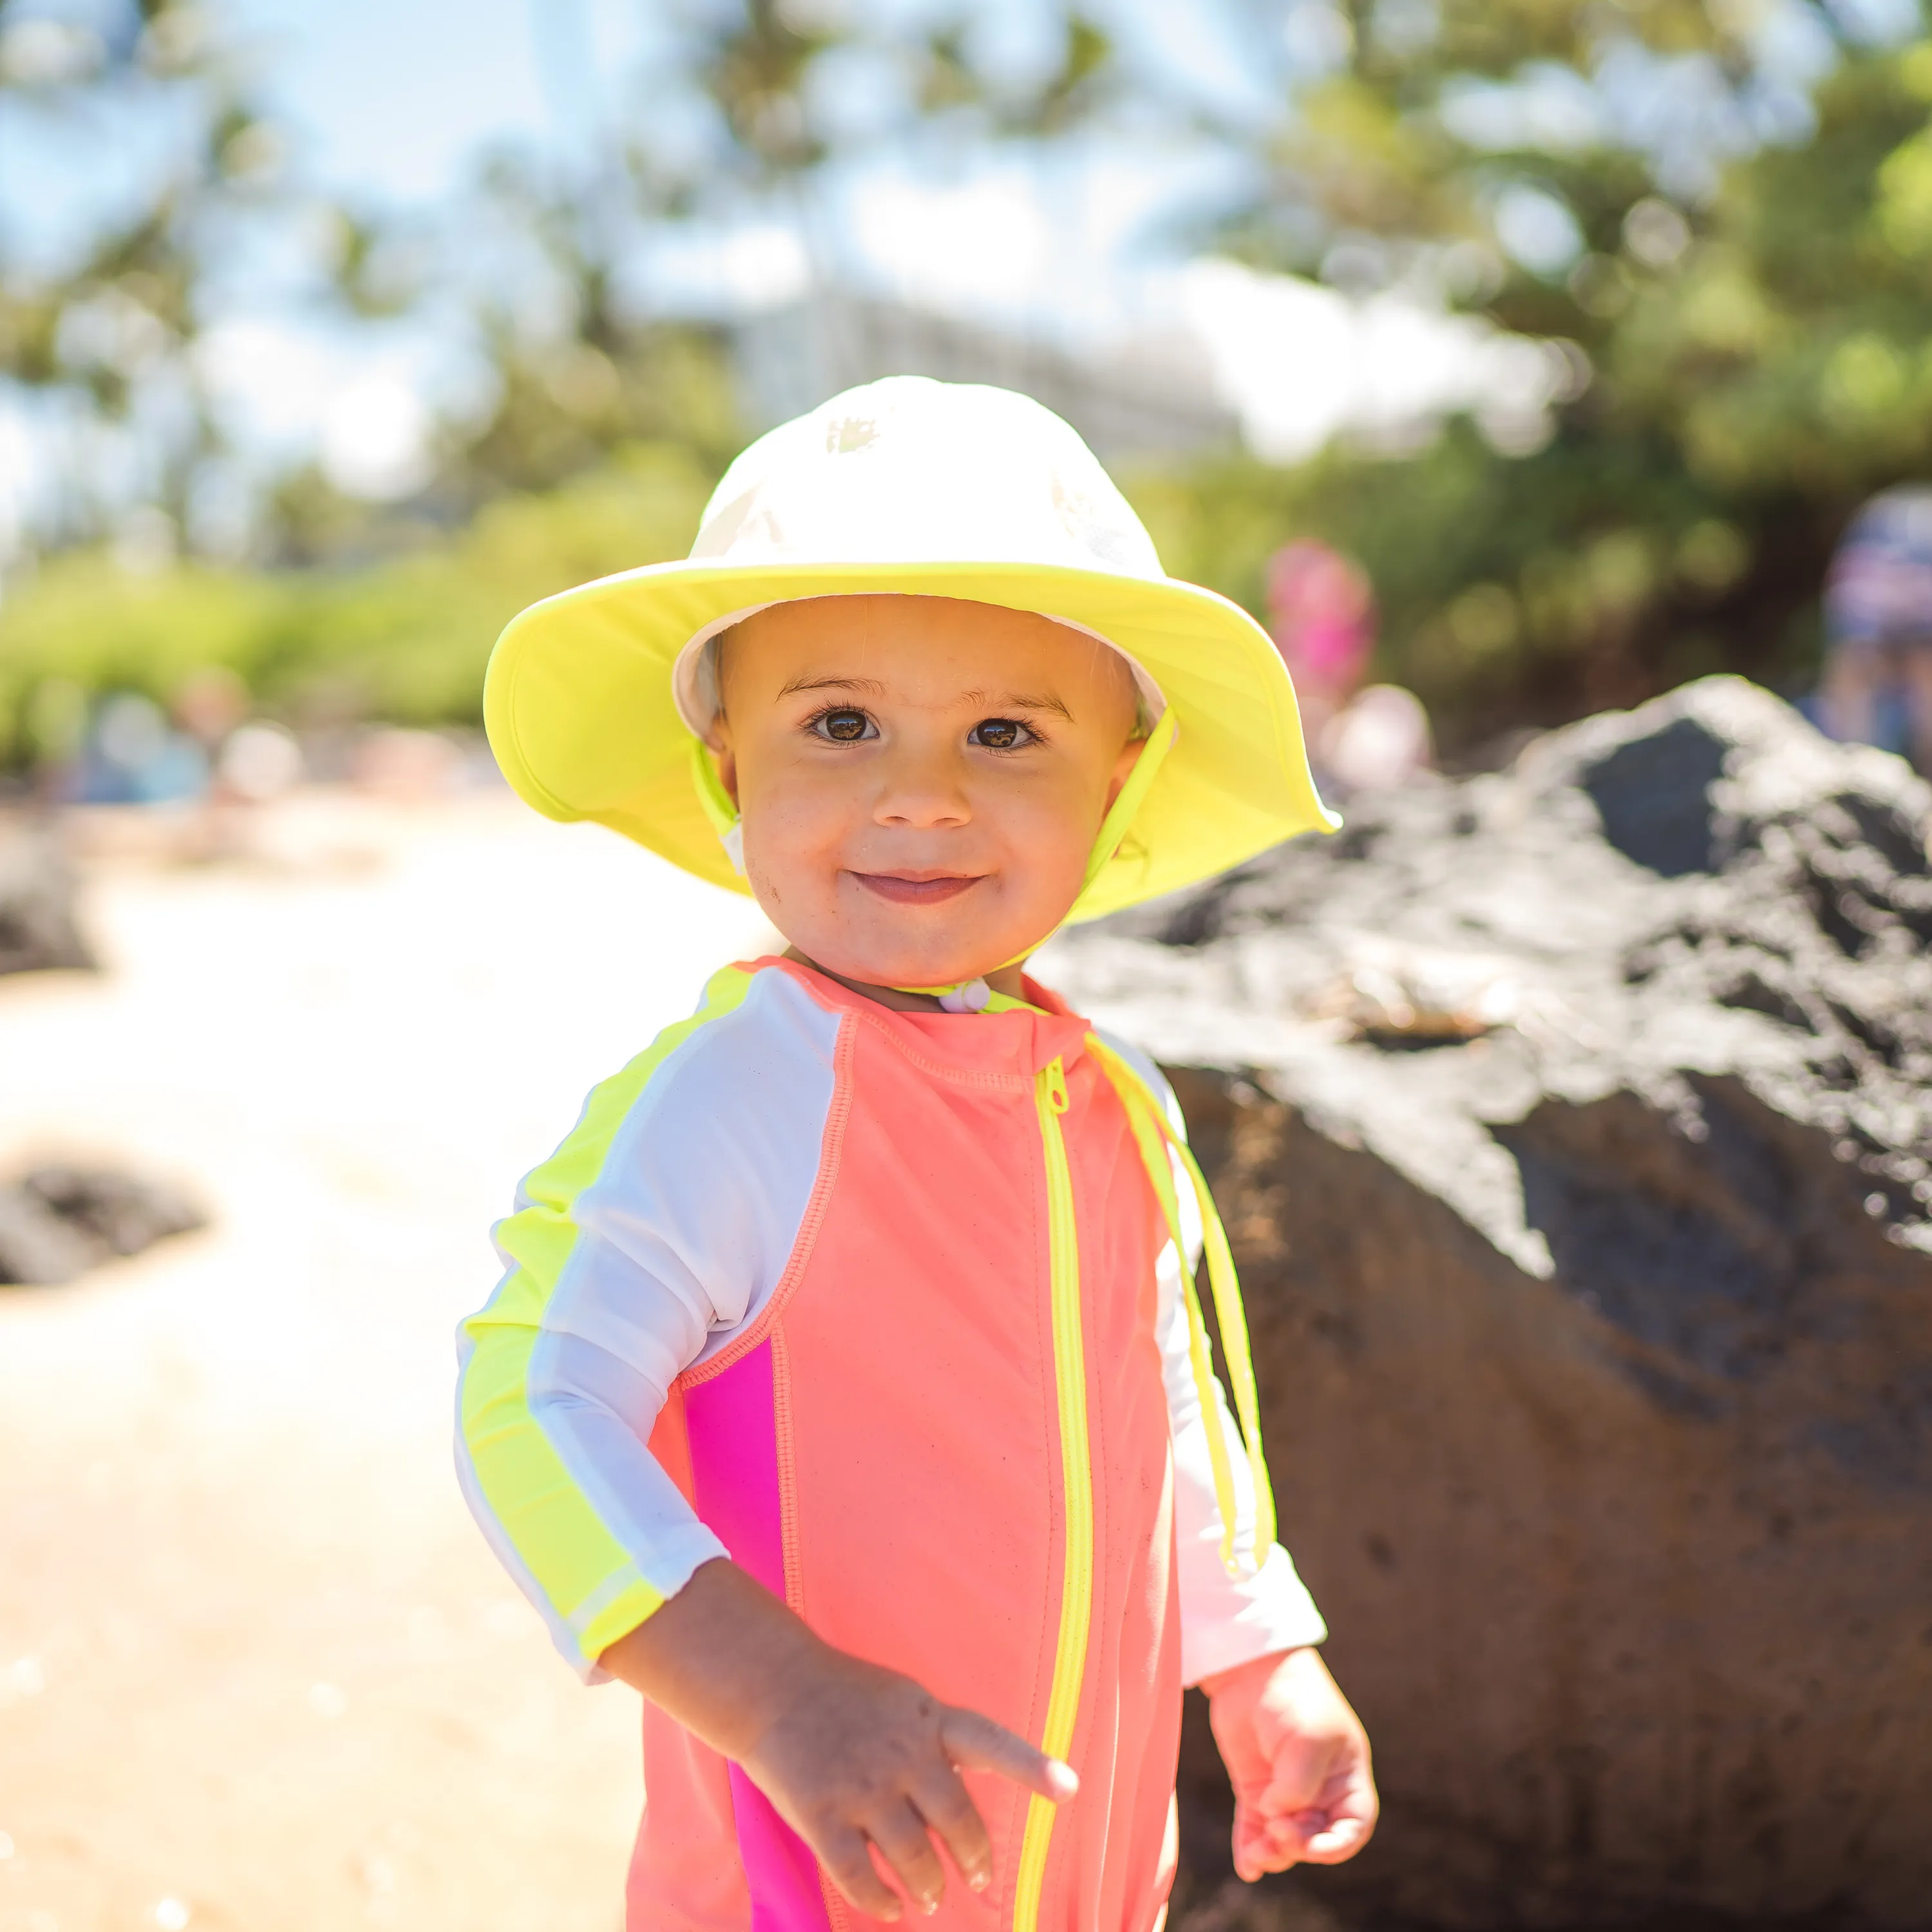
[1076,1589]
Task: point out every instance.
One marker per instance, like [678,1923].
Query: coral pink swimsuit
[874,1302]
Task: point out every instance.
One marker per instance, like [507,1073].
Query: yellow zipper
[1076,1589]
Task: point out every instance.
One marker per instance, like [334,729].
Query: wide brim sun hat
[597,701]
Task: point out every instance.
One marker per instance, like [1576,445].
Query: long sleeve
[660,1226]
[1225,1620]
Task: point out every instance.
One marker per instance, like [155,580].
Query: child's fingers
[843,1853]
[901,1836]
[1333,1843]
[1256,1848]
[943,1801]
[978,1743]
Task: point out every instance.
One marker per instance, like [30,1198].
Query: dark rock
[1572,1126]
[120,1213]
[56,1222]
[37,1247]
[38,932]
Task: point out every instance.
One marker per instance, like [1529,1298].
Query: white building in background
[1223,356]
[1152,395]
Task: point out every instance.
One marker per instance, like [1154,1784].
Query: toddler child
[847,1392]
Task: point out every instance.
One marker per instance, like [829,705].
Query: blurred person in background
[1321,615]
[250,761]
[1878,627]
[132,755]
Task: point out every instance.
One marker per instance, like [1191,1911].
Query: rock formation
[1572,1125]
[37,928]
[57,1222]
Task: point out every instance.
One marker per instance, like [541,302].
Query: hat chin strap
[966,996]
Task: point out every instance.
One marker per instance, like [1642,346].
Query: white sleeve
[1225,1620]
[660,1229]
[598,1411]
[660,1265]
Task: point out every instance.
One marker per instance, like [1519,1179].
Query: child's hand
[854,1753]
[1298,1759]
[852,1756]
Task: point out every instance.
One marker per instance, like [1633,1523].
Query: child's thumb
[975,1743]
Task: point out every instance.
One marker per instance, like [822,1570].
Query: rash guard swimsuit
[885,1306]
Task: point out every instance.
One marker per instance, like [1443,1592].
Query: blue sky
[392,98]
[396,94]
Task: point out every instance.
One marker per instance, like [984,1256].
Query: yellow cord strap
[1154,1136]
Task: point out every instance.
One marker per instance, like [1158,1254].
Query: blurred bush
[1754,342]
[405,637]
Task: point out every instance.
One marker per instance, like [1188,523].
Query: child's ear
[1123,770]
[724,756]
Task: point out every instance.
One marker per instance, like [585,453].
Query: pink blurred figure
[1321,615]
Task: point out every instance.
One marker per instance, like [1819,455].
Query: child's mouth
[902,888]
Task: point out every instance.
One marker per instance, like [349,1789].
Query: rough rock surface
[37,928]
[57,1222]
[1572,1125]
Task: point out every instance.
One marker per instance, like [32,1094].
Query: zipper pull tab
[1056,1085]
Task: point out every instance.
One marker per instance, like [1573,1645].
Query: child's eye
[844,726]
[1000,734]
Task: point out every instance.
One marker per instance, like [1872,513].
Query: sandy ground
[257,1671]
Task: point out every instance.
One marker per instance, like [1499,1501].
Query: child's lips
[908,889]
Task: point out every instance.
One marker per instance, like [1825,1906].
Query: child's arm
[1296,1753]
[852,1756]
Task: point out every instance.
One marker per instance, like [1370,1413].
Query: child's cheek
[1052,835]
[792,844]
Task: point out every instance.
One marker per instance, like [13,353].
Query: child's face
[921,779]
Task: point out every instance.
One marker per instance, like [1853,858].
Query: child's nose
[921,793]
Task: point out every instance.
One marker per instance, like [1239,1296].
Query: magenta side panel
[731,1420]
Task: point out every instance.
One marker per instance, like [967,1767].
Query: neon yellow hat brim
[578,703]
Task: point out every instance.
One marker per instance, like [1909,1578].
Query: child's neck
[1009,980]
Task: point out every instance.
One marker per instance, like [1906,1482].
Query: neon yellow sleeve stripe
[593,1589]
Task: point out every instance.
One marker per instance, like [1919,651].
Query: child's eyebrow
[1016,700]
[871,686]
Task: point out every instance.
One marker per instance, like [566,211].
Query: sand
[257,1671]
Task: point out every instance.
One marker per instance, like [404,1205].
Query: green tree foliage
[1753,321]
[108,323]
[592,374]
[1739,252]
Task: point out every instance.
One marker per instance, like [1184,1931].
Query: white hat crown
[910,470]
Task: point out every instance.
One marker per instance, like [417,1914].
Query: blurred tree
[594,361]
[1727,211]
[580,366]
[101,321]
[1719,211]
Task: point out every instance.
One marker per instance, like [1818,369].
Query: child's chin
[906,966]
[887,958]
[910,972]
